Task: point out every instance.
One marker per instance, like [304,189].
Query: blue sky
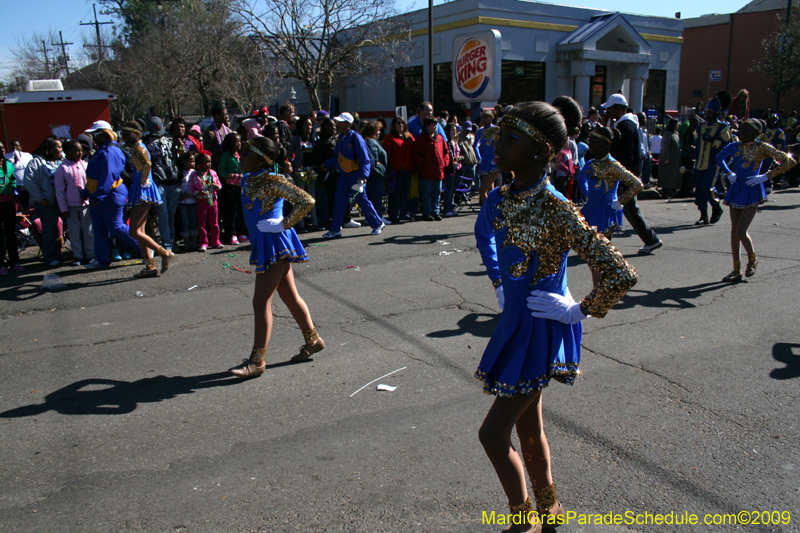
[24,17]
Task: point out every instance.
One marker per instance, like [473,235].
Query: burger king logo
[472,68]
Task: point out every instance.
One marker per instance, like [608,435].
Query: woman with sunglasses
[275,247]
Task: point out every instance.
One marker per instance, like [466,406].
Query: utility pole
[431,81]
[46,59]
[63,51]
[96,25]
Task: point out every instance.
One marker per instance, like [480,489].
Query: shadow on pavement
[113,397]
[789,354]
[29,284]
[673,297]
[472,324]
[420,239]
[772,207]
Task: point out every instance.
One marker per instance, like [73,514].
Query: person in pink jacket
[205,184]
[70,179]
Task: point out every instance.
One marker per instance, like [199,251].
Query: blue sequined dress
[143,189]
[524,238]
[746,161]
[262,198]
[599,179]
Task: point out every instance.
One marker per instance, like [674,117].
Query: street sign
[715,75]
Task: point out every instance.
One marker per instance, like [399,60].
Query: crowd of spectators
[409,172]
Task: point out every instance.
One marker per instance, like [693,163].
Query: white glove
[501,297]
[359,186]
[732,177]
[270,225]
[615,205]
[553,306]
[755,180]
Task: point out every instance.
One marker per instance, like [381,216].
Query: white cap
[344,117]
[615,99]
[100,125]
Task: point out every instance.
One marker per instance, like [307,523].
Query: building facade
[547,50]
[731,44]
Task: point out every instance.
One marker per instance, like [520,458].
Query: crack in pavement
[188,327]
[721,294]
[636,367]
[678,398]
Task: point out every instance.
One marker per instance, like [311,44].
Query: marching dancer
[747,189]
[599,180]
[142,195]
[524,233]
[275,247]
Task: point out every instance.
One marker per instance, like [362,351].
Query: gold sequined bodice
[610,171]
[539,222]
[267,188]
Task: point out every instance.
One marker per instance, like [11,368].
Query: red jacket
[399,151]
[431,156]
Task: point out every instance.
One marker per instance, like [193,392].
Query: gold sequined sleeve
[617,274]
[631,182]
[301,201]
[786,161]
[141,162]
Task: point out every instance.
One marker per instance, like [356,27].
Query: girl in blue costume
[484,149]
[142,195]
[747,189]
[275,248]
[599,178]
[524,233]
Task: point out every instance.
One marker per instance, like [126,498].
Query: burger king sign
[476,67]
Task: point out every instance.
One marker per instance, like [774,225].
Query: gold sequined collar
[527,193]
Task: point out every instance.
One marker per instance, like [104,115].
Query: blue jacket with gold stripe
[104,171]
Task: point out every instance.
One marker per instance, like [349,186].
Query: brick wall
[733,48]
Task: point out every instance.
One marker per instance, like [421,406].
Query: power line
[96,25]
[63,51]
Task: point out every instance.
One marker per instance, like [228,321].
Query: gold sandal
[166,260]
[545,500]
[307,350]
[146,273]
[252,367]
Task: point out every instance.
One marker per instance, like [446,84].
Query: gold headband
[249,145]
[530,130]
[132,130]
[599,137]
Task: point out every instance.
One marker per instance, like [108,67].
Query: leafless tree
[319,42]
[36,58]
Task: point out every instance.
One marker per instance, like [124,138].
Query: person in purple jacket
[352,161]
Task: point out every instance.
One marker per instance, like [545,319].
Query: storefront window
[408,84]
[598,86]
[655,90]
[523,81]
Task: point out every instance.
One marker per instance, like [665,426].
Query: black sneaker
[437,218]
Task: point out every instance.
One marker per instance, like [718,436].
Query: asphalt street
[117,413]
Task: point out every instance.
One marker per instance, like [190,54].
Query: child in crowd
[70,178]
[204,184]
[231,177]
[187,202]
